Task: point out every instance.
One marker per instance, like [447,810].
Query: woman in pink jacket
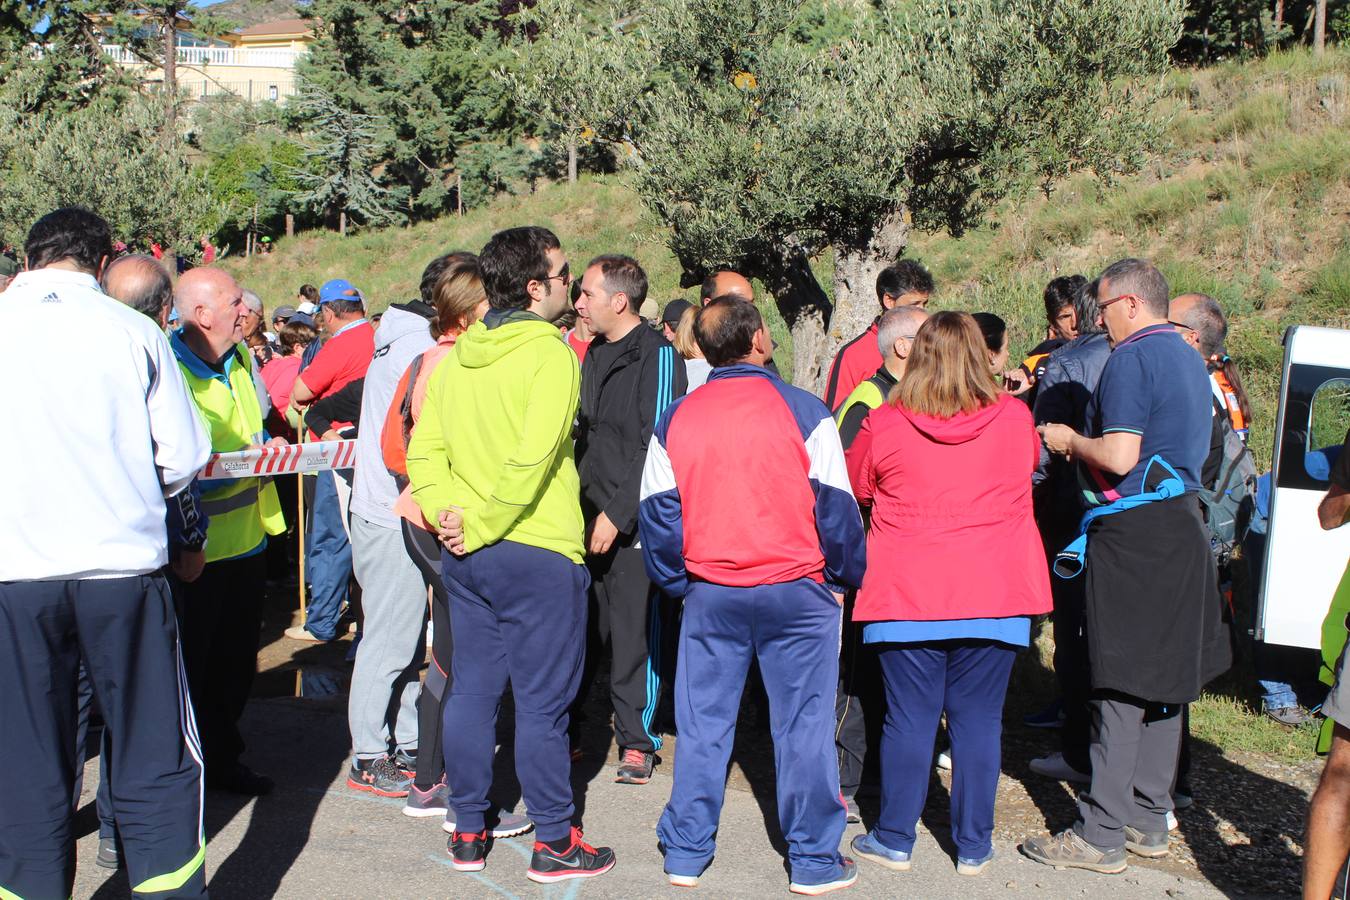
[955,570]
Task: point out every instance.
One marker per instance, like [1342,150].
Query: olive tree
[760,150]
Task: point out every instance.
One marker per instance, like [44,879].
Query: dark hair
[511,260]
[1060,293]
[343,307]
[708,286]
[725,329]
[994,329]
[1141,278]
[566,320]
[309,292]
[622,274]
[432,273]
[905,276]
[1085,308]
[293,333]
[73,233]
[152,293]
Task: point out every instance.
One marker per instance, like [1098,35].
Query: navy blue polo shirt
[1154,385]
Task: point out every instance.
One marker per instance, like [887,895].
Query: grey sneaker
[853,813]
[1290,716]
[424,804]
[1067,850]
[108,857]
[504,825]
[1143,843]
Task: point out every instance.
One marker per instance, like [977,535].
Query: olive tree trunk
[806,310]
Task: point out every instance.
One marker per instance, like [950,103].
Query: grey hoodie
[401,337]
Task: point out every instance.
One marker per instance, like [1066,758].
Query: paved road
[314,838]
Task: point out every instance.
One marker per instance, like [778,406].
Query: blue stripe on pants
[968,680]
[793,629]
[517,612]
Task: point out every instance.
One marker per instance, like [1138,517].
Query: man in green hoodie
[491,464]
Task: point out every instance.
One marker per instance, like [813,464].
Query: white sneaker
[944,761]
[1054,766]
[683,880]
[1172,823]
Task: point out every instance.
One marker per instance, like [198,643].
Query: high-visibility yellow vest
[242,511]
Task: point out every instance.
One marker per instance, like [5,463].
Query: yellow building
[255,63]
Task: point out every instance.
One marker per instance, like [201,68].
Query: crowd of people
[549,473]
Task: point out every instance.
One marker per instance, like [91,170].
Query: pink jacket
[952,534]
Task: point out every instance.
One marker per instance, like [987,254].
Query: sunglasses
[564,275]
[1105,303]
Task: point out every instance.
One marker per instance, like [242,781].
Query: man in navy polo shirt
[1153,610]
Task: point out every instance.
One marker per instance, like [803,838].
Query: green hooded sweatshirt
[495,438]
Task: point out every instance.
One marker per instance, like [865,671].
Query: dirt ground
[1243,833]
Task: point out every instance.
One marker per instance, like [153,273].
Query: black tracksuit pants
[127,634]
[221,623]
[626,613]
[425,551]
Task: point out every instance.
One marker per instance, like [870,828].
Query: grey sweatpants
[1134,762]
[393,644]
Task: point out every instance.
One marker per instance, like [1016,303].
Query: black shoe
[635,767]
[239,780]
[467,851]
[108,857]
[579,861]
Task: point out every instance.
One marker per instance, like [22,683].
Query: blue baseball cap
[339,289]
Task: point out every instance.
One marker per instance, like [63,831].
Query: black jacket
[625,386]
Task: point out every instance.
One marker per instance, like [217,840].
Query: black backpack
[1230,503]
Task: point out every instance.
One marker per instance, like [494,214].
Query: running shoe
[852,813]
[108,857]
[1056,767]
[944,761]
[1143,843]
[1067,850]
[506,824]
[967,866]
[635,767]
[845,876]
[1050,717]
[378,776]
[868,847]
[406,761]
[468,852]
[580,860]
[435,801]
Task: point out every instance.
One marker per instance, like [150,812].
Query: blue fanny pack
[1070,562]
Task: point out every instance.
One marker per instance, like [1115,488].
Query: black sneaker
[239,780]
[406,762]
[378,776]
[108,857]
[581,860]
[467,851]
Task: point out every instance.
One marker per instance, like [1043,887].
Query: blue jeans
[968,680]
[793,630]
[328,557]
[517,612]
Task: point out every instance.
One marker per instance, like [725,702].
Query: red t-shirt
[341,361]
[857,361]
[578,345]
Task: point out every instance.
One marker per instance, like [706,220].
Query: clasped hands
[450,530]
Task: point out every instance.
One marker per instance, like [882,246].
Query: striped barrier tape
[287,460]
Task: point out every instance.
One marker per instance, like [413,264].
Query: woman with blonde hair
[459,301]
[955,570]
[696,368]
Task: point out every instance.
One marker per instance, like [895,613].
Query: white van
[1303,563]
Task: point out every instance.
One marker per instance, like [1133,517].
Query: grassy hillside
[1246,197]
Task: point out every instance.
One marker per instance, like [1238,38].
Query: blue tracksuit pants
[127,634]
[967,679]
[328,557]
[793,631]
[517,613]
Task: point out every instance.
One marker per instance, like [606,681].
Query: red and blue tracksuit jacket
[744,485]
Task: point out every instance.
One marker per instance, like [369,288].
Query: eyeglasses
[564,275]
[1105,303]
[1180,325]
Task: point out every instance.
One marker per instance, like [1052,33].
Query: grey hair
[1206,318]
[253,301]
[1141,278]
[898,322]
[149,293]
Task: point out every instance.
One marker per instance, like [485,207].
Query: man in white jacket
[99,436]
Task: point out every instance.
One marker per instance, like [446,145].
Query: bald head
[140,282]
[896,324]
[726,284]
[211,307]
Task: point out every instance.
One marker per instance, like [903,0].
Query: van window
[1328,422]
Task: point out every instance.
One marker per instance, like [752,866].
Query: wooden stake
[300,493]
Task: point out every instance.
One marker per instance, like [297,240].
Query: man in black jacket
[629,377]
